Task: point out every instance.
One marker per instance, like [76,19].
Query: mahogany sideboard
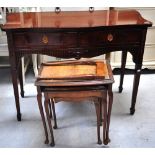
[75,34]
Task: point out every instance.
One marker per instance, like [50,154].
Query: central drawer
[29,39]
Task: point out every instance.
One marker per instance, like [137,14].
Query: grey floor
[77,122]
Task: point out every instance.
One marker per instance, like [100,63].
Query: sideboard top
[74,19]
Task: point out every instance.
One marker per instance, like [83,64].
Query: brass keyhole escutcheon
[110,37]
[45,39]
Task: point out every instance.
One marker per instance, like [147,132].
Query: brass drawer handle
[110,37]
[57,10]
[91,9]
[45,39]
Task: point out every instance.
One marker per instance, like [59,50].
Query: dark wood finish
[21,78]
[50,109]
[76,35]
[100,93]
[98,114]
[123,63]
[109,108]
[54,114]
[46,104]
[39,98]
[104,109]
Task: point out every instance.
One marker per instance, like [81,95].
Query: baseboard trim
[117,71]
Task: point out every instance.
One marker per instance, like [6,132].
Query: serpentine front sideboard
[75,34]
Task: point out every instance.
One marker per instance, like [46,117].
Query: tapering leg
[40,59]
[54,114]
[46,104]
[109,108]
[101,118]
[135,87]
[104,107]
[39,98]
[14,75]
[97,107]
[50,109]
[123,63]
[107,56]
[20,73]
[34,62]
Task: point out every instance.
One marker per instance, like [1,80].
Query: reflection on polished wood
[76,35]
[74,19]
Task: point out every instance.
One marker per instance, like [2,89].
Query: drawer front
[79,39]
[101,38]
[31,39]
